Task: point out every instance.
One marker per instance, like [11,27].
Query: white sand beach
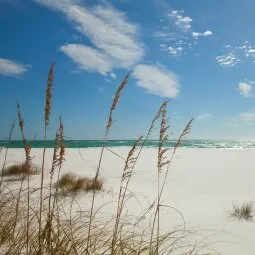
[202,184]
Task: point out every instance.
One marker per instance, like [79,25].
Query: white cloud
[12,68]
[244,118]
[251,50]
[228,60]
[245,89]
[168,35]
[88,58]
[114,38]
[247,116]
[175,51]
[157,80]
[237,54]
[113,75]
[197,34]
[177,33]
[204,116]
[181,21]
[208,33]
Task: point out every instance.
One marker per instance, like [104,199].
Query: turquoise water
[151,143]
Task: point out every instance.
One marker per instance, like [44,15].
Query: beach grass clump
[6,232]
[20,169]
[245,211]
[71,183]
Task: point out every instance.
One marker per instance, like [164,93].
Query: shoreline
[188,143]
[129,147]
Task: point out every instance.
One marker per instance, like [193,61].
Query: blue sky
[199,54]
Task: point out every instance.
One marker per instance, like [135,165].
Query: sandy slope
[202,184]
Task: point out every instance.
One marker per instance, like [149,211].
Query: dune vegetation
[37,220]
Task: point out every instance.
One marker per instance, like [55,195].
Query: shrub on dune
[70,183]
[20,169]
[244,211]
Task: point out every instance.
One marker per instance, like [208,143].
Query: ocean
[223,144]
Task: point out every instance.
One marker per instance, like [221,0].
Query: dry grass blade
[108,126]
[62,142]
[59,148]
[57,160]
[25,170]
[60,158]
[116,100]
[163,137]
[159,113]
[156,117]
[126,176]
[184,133]
[162,161]
[26,146]
[127,172]
[47,111]
[6,154]
[21,120]
[49,88]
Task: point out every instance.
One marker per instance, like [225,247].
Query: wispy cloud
[177,33]
[248,116]
[180,20]
[174,51]
[245,89]
[244,118]
[197,34]
[157,80]
[204,116]
[247,50]
[115,40]
[113,75]
[12,68]
[88,58]
[236,54]
[228,60]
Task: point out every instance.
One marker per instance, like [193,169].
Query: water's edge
[227,144]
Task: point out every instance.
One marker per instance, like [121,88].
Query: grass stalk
[184,133]
[27,166]
[58,160]
[126,176]
[107,130]
[6,154]
[47,111]
[53,166]
[163,137]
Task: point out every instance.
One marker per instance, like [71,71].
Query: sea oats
[116,100]
[48,98]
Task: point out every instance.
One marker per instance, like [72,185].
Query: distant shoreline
[189,143]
